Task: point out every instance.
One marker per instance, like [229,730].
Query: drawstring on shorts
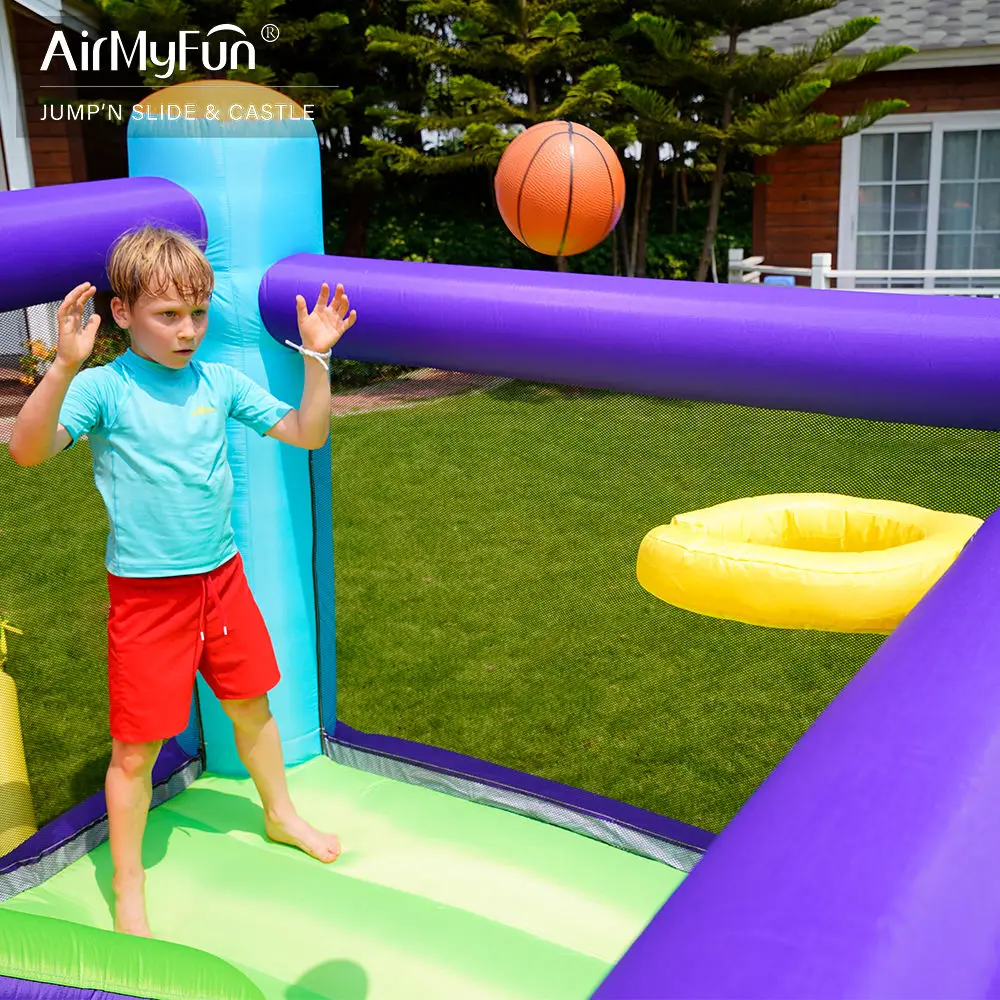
[207,590]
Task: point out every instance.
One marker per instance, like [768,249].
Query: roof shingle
[925,24]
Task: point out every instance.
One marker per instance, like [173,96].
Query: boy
[180,601]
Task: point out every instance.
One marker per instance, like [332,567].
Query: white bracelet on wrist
[323,359]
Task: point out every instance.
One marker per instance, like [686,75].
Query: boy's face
[163,328]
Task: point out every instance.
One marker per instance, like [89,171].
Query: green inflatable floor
[433,896]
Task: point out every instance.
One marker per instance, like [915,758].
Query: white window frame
[850,177]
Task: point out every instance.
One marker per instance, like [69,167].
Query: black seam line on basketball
[569,201]
[607,167]
[524,180]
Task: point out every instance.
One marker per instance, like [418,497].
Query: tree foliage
[320,58]
[494,66]
[411,89]
[754,101]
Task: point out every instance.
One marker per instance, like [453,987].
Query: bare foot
[296,831]
[130,907]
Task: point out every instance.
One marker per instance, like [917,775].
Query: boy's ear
[120,313]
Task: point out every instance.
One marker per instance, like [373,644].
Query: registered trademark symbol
[269,32]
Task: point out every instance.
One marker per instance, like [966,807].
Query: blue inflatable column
[259,186]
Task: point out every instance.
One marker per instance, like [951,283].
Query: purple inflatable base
[497,776]
[29,989]
[866,864]
[67,827]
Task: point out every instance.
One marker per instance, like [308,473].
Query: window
[922,193]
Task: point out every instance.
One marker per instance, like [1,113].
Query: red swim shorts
[162,630]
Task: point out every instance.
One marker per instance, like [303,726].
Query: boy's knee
[247,711]
[135,759]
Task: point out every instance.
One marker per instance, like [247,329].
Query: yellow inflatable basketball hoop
[803,560]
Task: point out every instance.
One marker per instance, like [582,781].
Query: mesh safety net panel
[53,589]
[487,600]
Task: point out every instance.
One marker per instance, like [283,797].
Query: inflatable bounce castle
[864,866]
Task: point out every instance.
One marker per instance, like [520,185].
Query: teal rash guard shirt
[158,440]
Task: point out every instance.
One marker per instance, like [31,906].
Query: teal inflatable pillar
[258,183]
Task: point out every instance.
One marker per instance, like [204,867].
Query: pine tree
[494,64]
[652,54]
[756,102]
[494,67]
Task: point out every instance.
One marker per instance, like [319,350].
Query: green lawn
[487,599]
[52,533]
[486,594]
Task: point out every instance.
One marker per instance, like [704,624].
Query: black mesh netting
[487,601]
[487,594]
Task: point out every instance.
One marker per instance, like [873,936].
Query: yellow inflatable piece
[803,560]
[17,814]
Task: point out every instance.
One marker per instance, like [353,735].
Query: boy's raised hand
[76,341]
[324,326]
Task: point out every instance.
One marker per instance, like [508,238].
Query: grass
[486,595]
[487,599]
[52,534]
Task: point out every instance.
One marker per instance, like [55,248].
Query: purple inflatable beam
[54,238]
[866,865]
[918,359]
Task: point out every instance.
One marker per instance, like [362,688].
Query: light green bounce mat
[434,897]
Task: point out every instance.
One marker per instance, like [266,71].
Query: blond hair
[147,260]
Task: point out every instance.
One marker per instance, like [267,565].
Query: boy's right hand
[76,341]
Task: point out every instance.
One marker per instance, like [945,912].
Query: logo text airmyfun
[111,52]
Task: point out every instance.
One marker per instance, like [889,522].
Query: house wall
[797,214]
[57,152]
[62,152]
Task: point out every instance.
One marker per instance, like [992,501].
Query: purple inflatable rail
[866,865]
[923,360]
[54,238]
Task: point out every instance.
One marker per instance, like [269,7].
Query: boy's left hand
[326,324]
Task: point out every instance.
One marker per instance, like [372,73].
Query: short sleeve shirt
[158,440]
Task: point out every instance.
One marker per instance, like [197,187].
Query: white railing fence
[822,274]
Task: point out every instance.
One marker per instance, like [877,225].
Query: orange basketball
[560,188]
